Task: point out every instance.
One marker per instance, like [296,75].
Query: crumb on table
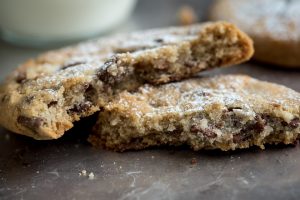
[91,176]
[194,161]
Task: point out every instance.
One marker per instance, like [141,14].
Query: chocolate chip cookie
[273,25]
[45,95]
[223,112]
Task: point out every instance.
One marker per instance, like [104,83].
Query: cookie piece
[223,112]
[273,25]
[44,96]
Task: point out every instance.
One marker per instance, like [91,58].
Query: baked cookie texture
[274,27]
[44,96]
[223,112]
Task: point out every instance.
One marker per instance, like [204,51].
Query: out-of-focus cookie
[273,25]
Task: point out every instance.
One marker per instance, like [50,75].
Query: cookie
[223,112]
[45,96]
[274,27]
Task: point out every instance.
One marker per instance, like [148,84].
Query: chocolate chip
[176,132]
[4,98]
[240,137]
[111,79]
[21,77]
[294,123]
[103,74]
[28,99]
[219,125]
[247,131]
[206,132]
[80,108]
[90,92]
[295,143]
[209,133]
[284,123]
[52,103]
[159,40]
[191,63]
[33,123]
[68,65]
[194,129]
[206,94]
[260,124]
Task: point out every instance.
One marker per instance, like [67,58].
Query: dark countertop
[32,169]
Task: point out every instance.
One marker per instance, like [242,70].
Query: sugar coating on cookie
[222,112]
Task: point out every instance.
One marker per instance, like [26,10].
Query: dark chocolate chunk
[249,130]
[194,129]
[260,124]
[284,123]
[4,98]
[206,132]
[28,99]
[219,125]
[90,92]
[177,131]
[33,123]
[159,40]
[80,108]
[21,77]
[68,65]
[104,75]
[294,123]
[209,133]
[240,137]
[52,103]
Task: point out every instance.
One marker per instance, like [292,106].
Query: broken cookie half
[44,96]
[223,112]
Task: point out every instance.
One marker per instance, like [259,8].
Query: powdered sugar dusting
[227,91]
[277,18]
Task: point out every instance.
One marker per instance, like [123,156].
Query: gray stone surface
[50,169]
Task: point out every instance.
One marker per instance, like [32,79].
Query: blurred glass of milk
[52,22]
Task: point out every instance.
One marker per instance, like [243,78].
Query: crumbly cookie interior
[226,112]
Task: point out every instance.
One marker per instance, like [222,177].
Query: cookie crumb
[91,176]
[194,161]
[187,15]
[83,173]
